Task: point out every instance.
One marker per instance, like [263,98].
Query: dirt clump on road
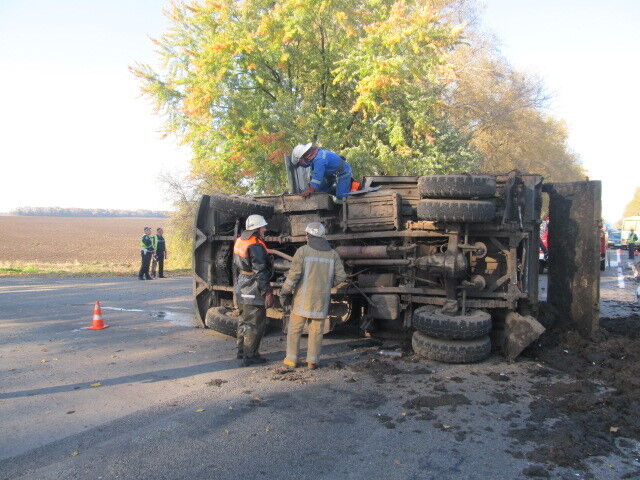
[430,402]
[377,368]
[572,420]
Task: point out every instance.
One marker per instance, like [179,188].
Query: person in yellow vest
[146,251]
[315,269]
[253,291]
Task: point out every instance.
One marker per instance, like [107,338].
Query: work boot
[253,361]
[290,363]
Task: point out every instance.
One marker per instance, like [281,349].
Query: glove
[285,300]
[310,189]
[268,299]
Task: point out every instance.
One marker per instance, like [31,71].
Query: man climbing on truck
[328,167]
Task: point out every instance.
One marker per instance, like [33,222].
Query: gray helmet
[316,229]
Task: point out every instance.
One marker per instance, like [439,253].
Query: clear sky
[587,53]
[74,131]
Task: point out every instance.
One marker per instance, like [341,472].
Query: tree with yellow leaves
[246,80]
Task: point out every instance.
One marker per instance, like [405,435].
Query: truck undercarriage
[448,256]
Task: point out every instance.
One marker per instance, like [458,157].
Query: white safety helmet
[316,229]
[299,151]
[255,221]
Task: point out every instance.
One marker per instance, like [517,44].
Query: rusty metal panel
[373,211]
[299,222]
[407,187]
[295,203]
[574,252]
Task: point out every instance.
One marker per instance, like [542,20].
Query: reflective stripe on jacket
[312,275]
[146,243]
[250,255]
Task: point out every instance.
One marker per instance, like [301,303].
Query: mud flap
[574,253]
[520,331]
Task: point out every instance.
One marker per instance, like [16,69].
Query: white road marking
[620,275]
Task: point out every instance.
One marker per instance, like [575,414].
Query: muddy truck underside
[448,257]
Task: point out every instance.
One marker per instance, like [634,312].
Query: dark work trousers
[160,257]
[144,266]
[251,328]
[632,249]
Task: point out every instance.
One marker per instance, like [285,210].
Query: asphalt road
[153,398]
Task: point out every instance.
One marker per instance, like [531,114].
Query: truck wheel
[456,210]
[457,186]
[223,320]
[436,324]
[451,351]
[240,206]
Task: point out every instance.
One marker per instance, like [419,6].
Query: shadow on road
[147,377]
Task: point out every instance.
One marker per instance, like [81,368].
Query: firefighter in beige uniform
[315,269]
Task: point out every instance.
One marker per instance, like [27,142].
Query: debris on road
[390,353]
[519,332]
[216,382]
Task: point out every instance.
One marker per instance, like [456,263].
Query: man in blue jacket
[329,169]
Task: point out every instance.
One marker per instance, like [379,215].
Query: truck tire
[220,320]
[457,186]
[240,206]
[445,210]
[451,351]
[436,324]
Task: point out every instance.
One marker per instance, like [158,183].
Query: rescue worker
[160,248]
[631,243]
[315,269]
[328,167]
[146,251]
[253,292]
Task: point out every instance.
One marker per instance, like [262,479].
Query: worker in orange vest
[253,291]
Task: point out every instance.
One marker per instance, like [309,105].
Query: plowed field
[71,239]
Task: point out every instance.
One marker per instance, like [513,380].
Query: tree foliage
[632,208]
[244,81]
[501,110]
[397,86]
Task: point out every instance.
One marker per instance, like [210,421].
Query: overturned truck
[446,258]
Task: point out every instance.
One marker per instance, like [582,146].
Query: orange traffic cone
[97,323]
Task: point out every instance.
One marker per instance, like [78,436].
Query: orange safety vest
[241,246]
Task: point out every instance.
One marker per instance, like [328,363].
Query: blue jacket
[324,164]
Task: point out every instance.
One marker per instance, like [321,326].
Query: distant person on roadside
[160,255]
[253,290]
[316,268]
[146,251]
[631,244]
